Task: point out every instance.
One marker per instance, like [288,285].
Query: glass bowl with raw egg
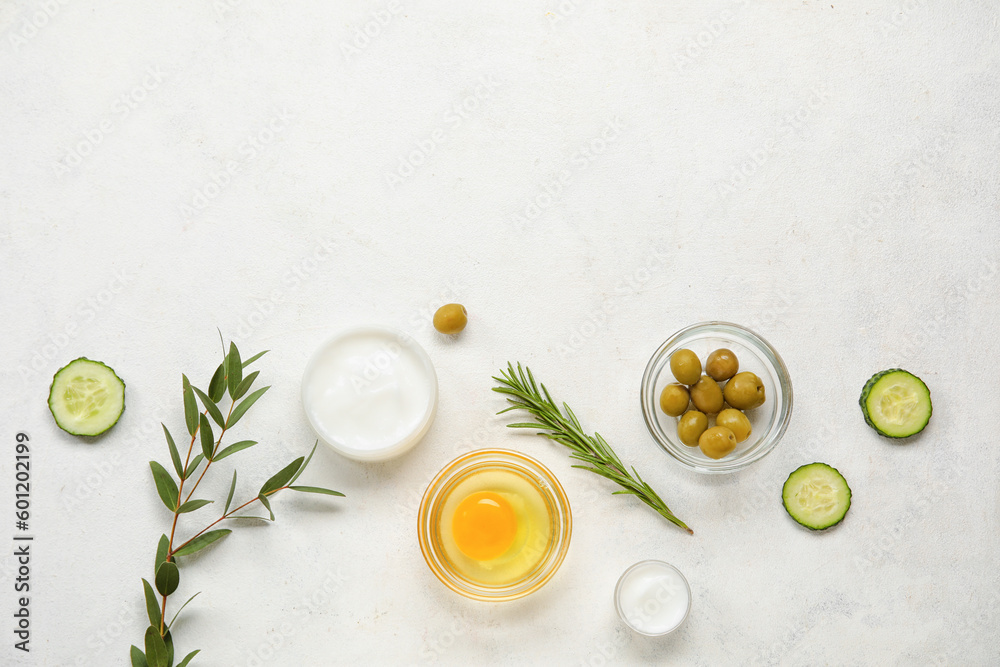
[494,525]
[737,351]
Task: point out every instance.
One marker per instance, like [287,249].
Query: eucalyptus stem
[215,450]
[228,378]
[523,393]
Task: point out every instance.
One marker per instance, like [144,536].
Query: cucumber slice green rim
[86,397]
[896,403]
[816,495]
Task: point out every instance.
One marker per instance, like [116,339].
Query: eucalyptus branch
[228,379]
[523,393]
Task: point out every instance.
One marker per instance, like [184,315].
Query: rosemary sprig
[228,377]
[595,453]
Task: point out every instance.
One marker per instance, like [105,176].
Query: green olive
[736,422]
[722,365]
[690,427]
[707,395]
[451,318]
[744,392]
[674,399]
[716,442]
[686,366]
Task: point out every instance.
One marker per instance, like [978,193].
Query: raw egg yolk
[484,525]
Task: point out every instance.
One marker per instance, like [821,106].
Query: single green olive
[674,399]
[686,366]
[716,442]
[451,318]
[745,391]
[736,422]
[722,365]
[707,395]
[690,427]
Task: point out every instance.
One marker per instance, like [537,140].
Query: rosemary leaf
[523,393]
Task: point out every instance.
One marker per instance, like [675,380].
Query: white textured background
[823,173]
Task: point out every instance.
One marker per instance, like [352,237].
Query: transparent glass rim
[478,460]
[746,337]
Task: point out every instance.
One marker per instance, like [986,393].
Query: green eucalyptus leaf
[187,658]
[175,456]
[138,657]
[165,485]
[195,462]
[217,385]
[192,505]
[251,516]
[316,489]
[235,369]
[213,409]
[162,549]
[190,407]
[245,405]
[207,438]
[232,490]
[178,613]
[233,448]
[267,505]
[156,649]
[202,541]
[167,578]
[245,385]
[302,468]
[282,477]
[168,641]
[254,358]
[152,604]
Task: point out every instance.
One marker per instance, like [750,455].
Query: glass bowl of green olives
[716,397]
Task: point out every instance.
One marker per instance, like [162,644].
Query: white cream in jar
[370,392]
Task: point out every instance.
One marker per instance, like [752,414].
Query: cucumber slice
[817,496]
[896,403]
[86,397]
